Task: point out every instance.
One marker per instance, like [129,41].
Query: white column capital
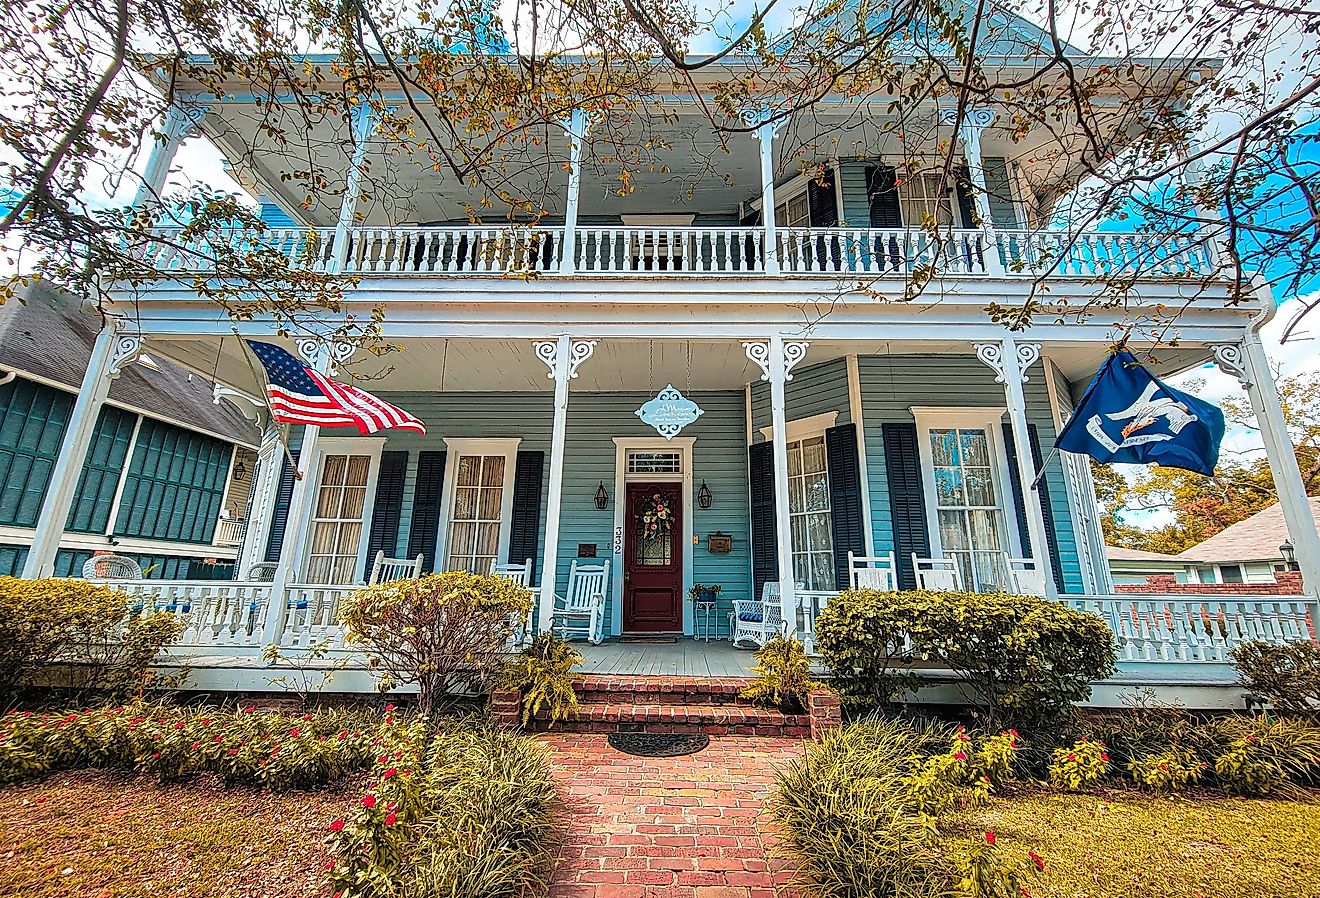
[182,120]
[762,119]
[975,119]
[770,361]
[1008,358]
[548,351]
[325,355]
[127,348]
[1231,360]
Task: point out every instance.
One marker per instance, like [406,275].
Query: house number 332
[618,540]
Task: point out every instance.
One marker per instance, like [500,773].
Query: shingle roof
[50,337]
[1118,553]
[1255,539]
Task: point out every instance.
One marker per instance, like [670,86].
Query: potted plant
[700,592]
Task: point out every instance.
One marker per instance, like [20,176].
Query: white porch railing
[216,614]
[229,532]
[708,251]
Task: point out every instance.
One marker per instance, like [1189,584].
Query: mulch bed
[101,835]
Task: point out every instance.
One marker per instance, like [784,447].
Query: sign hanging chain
[650,371]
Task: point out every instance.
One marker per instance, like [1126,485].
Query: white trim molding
[313,467]
[622,446]
[801,428]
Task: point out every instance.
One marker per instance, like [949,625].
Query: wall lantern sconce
[602,497]
[1289,555]
[240,472]
[704,497]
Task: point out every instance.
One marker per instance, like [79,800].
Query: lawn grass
[99,835]
[1120,844]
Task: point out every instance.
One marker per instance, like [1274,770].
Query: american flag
[301,395]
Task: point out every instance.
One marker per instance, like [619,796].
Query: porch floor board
[684,658]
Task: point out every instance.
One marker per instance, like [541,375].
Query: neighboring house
[1135,565]
[165,478]
[1246,552]
[545,362]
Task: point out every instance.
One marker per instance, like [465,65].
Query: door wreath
[657,515]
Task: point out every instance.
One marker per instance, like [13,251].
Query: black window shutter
[279,518]
[765,554]
[1019,502]
[882,195]
[962,190]
[388,507]
[846,519]
[823,201]
[425,525]
[907,500]
[525,528]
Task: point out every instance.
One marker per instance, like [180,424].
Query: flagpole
[1040,475]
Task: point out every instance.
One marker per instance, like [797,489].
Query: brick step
[713,720]
[638,690]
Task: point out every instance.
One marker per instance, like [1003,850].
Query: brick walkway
[687,827]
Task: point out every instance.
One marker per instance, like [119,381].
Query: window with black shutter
[846,517]
[388,506]
[907,498]
[761,474]
[424,529]
[525,526]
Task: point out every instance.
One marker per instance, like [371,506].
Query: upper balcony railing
[713,251]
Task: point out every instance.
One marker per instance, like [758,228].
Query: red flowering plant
[985,871]
[1167,771]
[964,775]
[1080,766]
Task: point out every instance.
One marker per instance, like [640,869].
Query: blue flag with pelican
[1130,416]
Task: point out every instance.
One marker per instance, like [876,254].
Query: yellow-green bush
[1080,766]
[78,634]
[543,675]
[1167,771]
[444,633]
[783,676]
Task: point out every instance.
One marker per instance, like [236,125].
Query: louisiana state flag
[1129,415]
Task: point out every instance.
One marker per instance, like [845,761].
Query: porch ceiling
[466,365]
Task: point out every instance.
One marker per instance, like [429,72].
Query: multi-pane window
[655,462]
[474,525]
[920,196]
[337,524]
[794,212]
[809,514]
[967,505]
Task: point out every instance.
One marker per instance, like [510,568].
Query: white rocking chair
[386,569]
[522,575]
[1026,576]
[111,567]
[877,572]
[937,574]
[582,612]
[757,621]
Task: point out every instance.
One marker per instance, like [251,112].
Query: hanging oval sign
[669,412]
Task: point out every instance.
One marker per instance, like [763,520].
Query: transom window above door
[654,462]
[476,521]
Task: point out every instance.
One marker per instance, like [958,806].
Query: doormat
[658,640]
[658,745]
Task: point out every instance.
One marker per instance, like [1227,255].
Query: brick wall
[1285,584]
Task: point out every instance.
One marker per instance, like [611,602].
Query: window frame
[798,438]
[370,447]
[989,419]
[456,447]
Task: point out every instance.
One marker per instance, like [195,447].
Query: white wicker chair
[522,575]
[263,572]
[385,569]
[111,567]
[937,574]
[757,621]
[878,572]
[582,611]
[1026,576]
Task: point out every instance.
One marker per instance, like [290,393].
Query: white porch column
[323,357]
[181,121]
[577,135]
[563,356]
[777,358]
[114,348]
[1010,361]
[362,125]
[1249,364]
[765,133]
[974,123]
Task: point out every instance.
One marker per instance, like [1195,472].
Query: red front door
[653,559]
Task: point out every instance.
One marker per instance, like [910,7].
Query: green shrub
[783,676]
[445,633]
[467,816]
[77,634]
[1287,675]
[1027,659]
[861,810]
[1081,766]
[1145,727]
[278,751]
[543,675]
[1167,771]
[1259,755]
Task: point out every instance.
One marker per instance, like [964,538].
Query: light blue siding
[814,390]
[892,384]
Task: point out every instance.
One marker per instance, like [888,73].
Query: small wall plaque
[669,412]
[586,550]
[718,543]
